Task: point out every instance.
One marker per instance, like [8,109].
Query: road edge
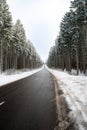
[65,122]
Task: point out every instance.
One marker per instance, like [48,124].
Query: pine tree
[15,51]
[71,43]
[19,42]
[5,29]
[80,8]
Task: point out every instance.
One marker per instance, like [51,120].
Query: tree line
[16,51]
[70,49]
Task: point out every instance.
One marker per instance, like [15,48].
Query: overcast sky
[41,20]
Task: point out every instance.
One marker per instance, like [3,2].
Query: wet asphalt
[28,104]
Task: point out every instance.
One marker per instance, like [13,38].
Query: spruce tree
[5,29]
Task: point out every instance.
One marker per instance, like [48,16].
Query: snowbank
[5,78]
[75,92]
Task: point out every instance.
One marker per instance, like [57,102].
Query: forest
[16,51]
[70,49]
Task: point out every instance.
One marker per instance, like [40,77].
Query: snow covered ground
[75,92]
[74,88]
[6,77]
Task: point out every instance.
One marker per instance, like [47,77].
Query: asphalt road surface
[28,104]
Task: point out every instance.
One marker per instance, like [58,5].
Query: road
[28,104]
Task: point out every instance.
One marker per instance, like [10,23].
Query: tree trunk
[77,60]
[23,60]
[15,59]
[62,62]
[1,56]
[68,60]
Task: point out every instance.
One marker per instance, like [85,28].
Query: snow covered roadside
[5,79]
[75,92]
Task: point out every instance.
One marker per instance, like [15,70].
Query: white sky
[41,20]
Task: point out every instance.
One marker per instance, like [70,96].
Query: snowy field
[75,92]
[8,77]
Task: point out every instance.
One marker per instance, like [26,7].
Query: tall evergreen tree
[71,44]
[19,41]
[5,29]
[80,8]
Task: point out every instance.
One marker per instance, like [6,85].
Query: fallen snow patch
[8,77]
[75,92]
